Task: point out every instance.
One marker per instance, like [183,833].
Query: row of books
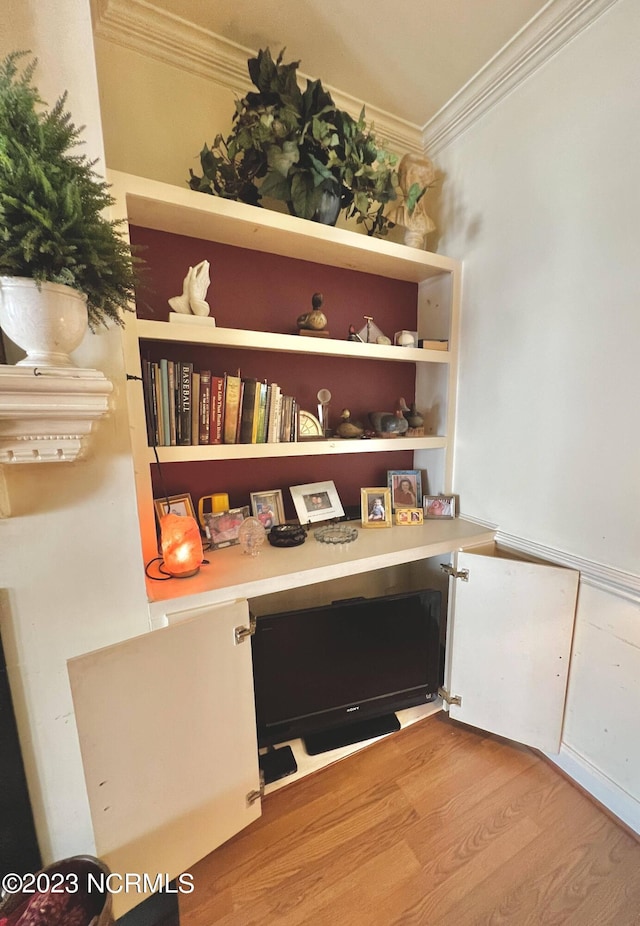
[185,407]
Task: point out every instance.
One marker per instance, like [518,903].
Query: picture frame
[409,517]
[222,526]
[375,504]
[178,504]
[268,507]
[405,486]
[316,501]
[439,506]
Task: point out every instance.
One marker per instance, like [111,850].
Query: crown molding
[558,23]
[165,37]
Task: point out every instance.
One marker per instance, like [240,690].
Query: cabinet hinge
[254,796]
[241,633]
[449,698]
[455,573]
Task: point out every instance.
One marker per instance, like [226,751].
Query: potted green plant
[55,242]
[296,146]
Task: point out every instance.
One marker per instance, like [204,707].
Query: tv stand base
[327,740]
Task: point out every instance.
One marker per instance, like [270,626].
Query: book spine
[256,414]
[157,402]
[184,392]
[261,435]
[171,379]
[147,390]
[231,408]
[195,407]
[239,421]
[205,407]
[275,414]
[284,419]
[216,428]
[248,410]
[164,387]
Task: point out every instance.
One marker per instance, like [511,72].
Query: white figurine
[418,170]
[194,289]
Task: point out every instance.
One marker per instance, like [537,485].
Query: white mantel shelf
[47,413]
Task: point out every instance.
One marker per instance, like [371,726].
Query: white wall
[156,118]
[540,200]
[71,576]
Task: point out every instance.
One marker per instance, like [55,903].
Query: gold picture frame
[178,504]
[409,517]
[375,506]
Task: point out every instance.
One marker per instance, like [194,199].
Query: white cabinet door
[166,723]
[509,646]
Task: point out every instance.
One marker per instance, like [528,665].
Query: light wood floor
[438,825]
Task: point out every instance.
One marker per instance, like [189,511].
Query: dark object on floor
[277,763]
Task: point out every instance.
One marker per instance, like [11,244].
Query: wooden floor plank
[437,825]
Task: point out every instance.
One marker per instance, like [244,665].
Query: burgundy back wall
[264,292]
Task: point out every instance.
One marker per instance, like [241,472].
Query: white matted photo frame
[408,517]
[375,503]
[178,504]
[222,526]
[268,507]
[406,488]
[316,501]
[439,506]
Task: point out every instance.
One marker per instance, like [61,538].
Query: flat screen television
[341,666]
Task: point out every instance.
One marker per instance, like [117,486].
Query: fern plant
[52,202]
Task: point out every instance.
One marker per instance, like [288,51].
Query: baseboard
[613,798]
[607,578]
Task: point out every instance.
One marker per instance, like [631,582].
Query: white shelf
[164,207]
[175,332]
[190,454]
[232,574]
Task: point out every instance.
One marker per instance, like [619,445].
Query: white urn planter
[47,321]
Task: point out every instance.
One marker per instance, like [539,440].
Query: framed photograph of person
[222,526]
[376,507]
[316,501]
[268,507]
[178,504]
[408,517]
[439,506]
[406,488]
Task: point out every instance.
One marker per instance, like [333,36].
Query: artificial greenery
[295,146]
[52,226]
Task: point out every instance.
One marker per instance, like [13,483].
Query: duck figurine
[347,428]
[315,320]
[411,413]
[389,424]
